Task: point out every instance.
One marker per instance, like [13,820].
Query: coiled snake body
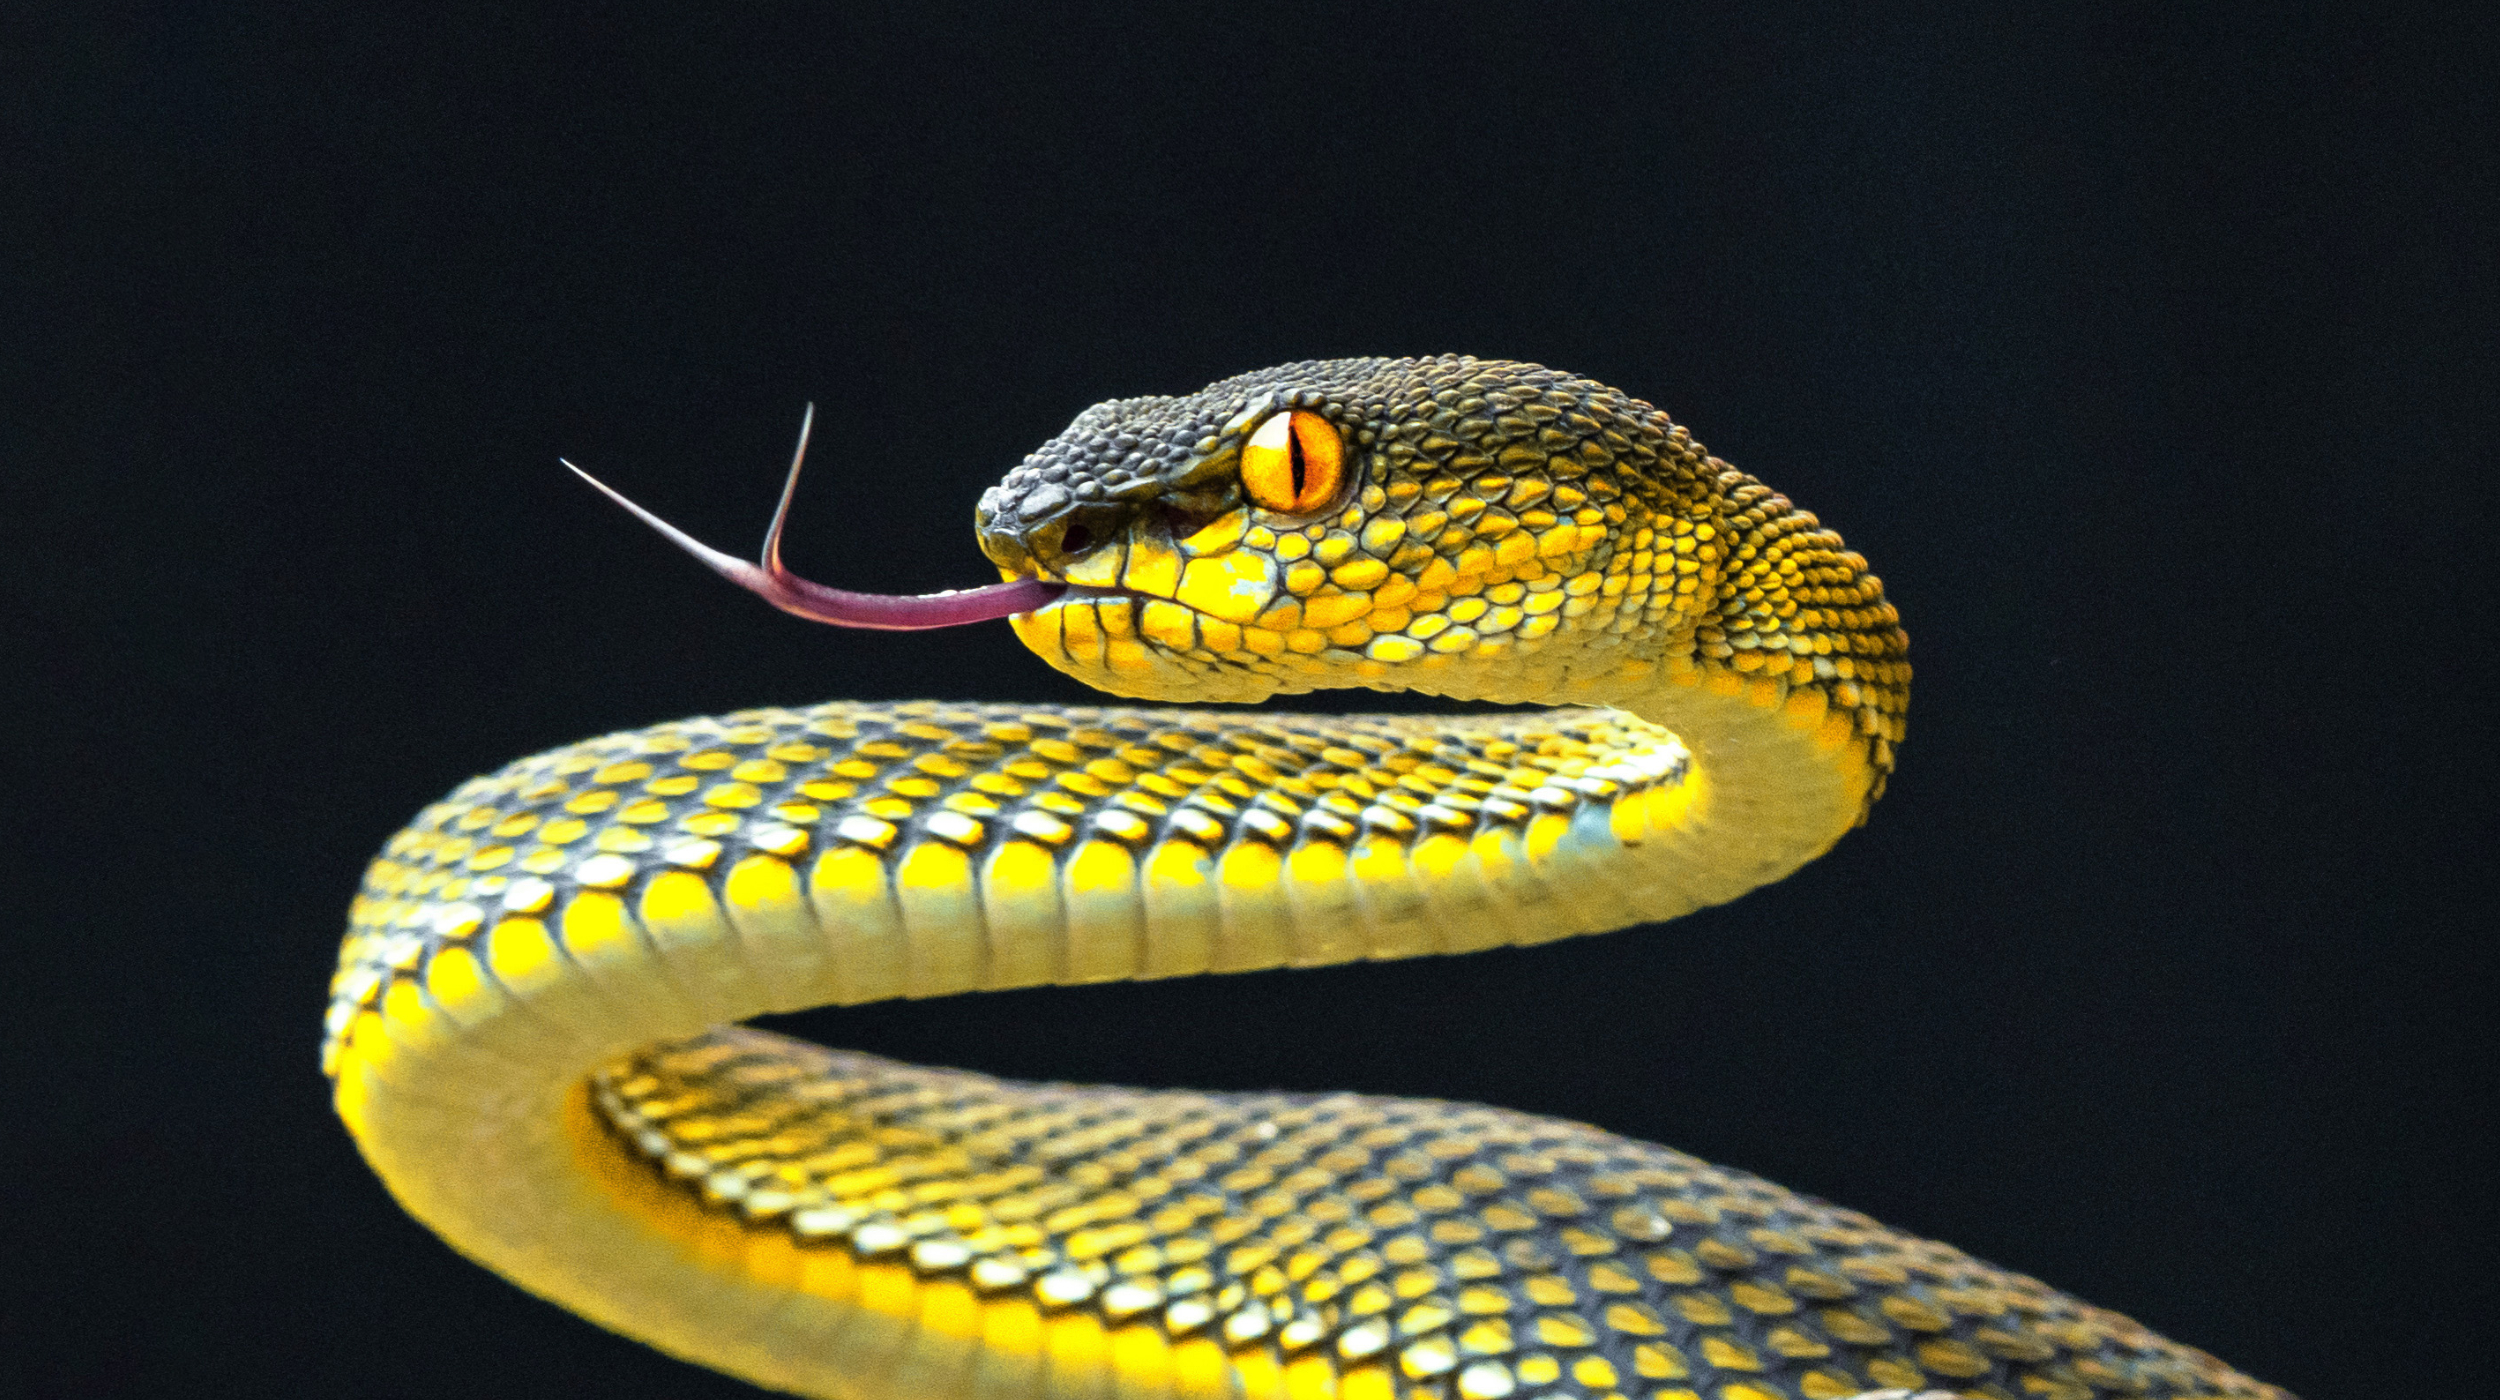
[524,1031]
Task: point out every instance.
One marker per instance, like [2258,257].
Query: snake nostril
[1076,540]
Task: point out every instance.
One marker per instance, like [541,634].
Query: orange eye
[1294,463]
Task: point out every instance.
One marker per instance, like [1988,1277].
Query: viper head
[1479,529]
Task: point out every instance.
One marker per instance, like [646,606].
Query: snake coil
[530,1037]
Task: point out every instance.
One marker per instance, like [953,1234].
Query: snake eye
[1294,463]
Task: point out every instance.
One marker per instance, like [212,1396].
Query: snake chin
[1094,634]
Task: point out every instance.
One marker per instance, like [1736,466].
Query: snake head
[1476,529]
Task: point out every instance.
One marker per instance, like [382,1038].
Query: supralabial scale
[532,1038]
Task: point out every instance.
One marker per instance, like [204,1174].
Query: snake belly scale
[531,1032]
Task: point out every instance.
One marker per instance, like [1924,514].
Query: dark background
[2146,352]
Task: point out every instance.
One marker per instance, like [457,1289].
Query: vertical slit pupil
[1293,449]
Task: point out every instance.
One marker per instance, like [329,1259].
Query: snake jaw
[769,579]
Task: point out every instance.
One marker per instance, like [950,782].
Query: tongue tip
[768,579]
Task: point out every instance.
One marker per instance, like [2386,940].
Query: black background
[2144,352]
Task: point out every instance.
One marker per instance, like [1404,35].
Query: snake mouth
[1086,592]
[770,580]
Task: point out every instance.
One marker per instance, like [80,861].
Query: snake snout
[1051,535]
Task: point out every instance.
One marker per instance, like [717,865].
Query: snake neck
[1790,621]
[1784,674]
[1782,669]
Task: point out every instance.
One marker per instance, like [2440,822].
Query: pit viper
[531,1030]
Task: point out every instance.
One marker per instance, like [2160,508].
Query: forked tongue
[891,612]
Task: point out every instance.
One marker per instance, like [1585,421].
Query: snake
[534,1035]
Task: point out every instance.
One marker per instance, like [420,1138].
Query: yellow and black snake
[526,1031]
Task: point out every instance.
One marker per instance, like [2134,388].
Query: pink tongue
[890,612]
